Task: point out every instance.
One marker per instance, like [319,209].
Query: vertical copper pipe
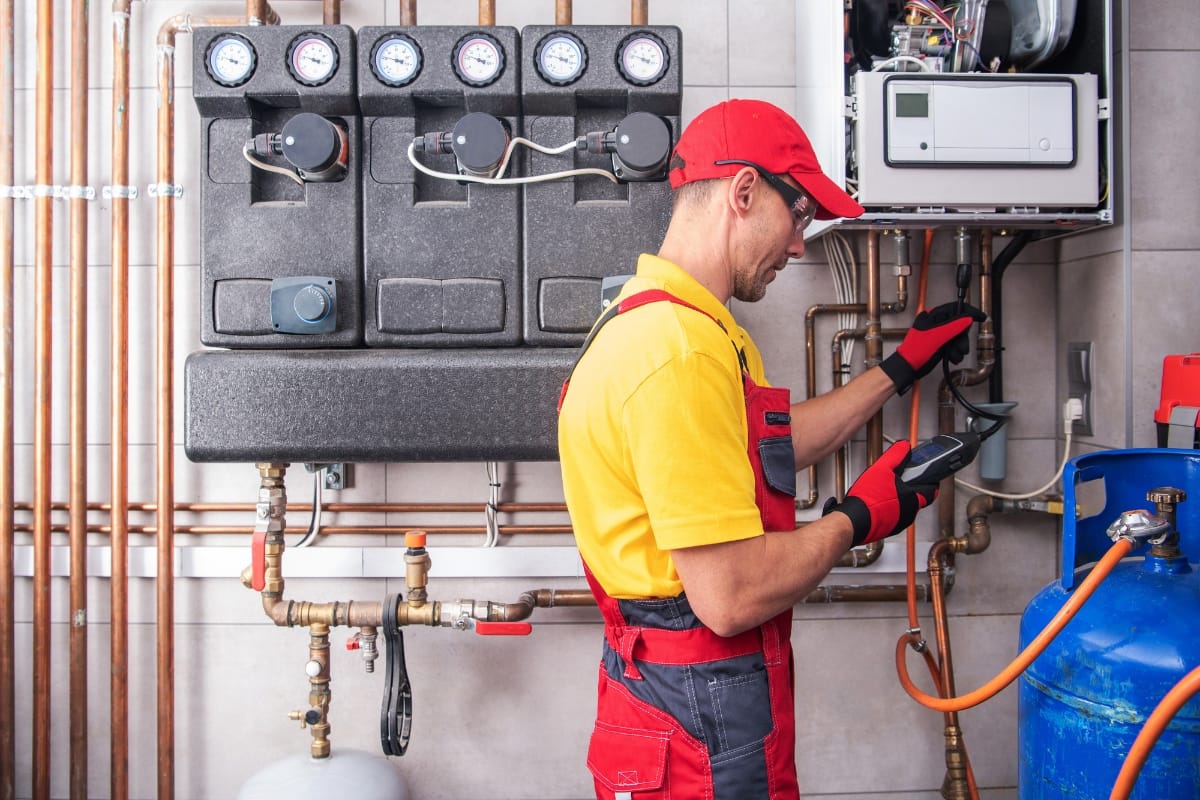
[8,710]
[487,12]
[77,648]
[331,12]
[256,13]
[119,422]
[639,12]
[43,343]
[873,342]
[408,12]
[164,410]
[562,12]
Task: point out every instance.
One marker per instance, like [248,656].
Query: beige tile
[705,35]
[1091,243]
[1165,29]
[1165,298]
[1092,308]
[1163,155]
[698,98]
[762,44]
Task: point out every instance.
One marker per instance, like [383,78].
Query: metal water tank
[1082,703]
[349,773]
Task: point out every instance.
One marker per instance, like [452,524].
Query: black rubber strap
[395,722]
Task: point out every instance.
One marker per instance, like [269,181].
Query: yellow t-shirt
[652,436]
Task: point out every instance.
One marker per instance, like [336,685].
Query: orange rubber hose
[1156,723]
[1034,649]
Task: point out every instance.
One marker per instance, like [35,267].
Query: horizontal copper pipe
[374,508]
[325,529]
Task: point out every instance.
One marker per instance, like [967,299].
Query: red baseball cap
[753,130]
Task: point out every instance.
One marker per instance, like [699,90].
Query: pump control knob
[315,146]
[479,141]
[642,142]
[312,303]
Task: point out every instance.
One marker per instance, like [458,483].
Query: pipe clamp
[164,190]
[126,192]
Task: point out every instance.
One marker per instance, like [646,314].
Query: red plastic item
[503,628]
[1180,384]
[352,643]
[258,561]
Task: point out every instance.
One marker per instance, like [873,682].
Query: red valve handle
[503,628]
[258,561]
[353,642]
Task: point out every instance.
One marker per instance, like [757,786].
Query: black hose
[999,264]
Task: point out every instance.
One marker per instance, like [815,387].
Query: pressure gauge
[642,58]
[396,59]
[560,58]
[478,59]
[231,59]
[312,58]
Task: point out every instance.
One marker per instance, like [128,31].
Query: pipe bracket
[125,192]
[164,190]
[17,192]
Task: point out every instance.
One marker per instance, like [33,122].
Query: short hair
[695,194]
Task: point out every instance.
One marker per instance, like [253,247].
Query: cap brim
[834,203]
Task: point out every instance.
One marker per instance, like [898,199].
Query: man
[679,467]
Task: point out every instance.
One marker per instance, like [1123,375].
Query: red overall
[682,712]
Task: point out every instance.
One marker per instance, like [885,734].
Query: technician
[679,464]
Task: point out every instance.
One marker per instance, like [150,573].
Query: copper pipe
[212,530]
[639,12]
[487,12]
[8,703]
[562,12]
[863,556]
[409,508]
[43,348]
[955,783]
[331,12]
[119,414]
[77,648]
[408,12]
[873,342]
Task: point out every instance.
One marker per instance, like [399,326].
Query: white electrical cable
[550,176]
[1035,492]
[493,506]
[516,140]
[898,59]
[270,167]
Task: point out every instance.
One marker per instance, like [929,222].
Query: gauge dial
[561,58]
[312,59]
[478,59]
[231,60]
[642,58]
[396,59]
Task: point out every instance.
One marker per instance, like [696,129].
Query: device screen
[930,450]
[912,104]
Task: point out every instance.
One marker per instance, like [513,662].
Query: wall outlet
[1079,383]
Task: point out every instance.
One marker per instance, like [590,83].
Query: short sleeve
[685,435]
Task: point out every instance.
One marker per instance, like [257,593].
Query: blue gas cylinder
[1082,703]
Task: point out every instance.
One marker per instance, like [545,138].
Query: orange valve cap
[414,539]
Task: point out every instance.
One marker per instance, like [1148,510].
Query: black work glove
[935,334]
[879,504]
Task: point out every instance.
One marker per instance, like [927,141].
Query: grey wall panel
[374,405]
[580,230]
[452,244]
[257,225]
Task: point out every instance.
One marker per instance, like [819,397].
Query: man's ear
[742,190]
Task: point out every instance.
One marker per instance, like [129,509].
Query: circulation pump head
[318,148]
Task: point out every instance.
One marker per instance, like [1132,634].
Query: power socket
[1079,384]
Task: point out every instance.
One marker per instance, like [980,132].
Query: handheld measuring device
[941,457]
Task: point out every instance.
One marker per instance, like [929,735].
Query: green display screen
[912,105]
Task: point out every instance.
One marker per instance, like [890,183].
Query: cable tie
[164,189]
[126,192]
[79,192]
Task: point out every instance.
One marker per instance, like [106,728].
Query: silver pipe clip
[126,192]
[16,192]
[47,190]
[164,190]
[79,192]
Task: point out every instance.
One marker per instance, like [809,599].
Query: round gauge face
[396,60]
[478,59]
[231,60]
[561,59]
[642,58]
[312,59]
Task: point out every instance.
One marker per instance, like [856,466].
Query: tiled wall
[510,718]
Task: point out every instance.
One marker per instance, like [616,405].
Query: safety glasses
[802,204]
